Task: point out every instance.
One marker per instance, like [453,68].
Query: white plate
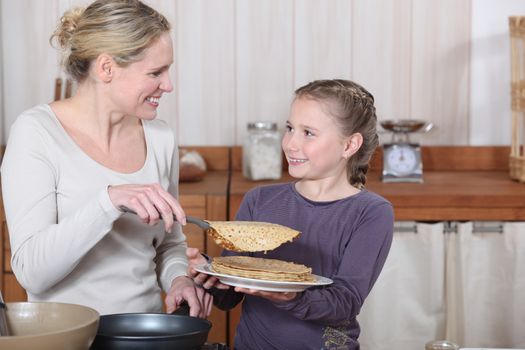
[271,286]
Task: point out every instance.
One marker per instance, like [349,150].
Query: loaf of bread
[192,166]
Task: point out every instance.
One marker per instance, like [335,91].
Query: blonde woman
[72,164]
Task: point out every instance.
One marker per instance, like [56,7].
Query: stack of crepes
[264,269]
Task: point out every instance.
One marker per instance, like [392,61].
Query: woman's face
[312,143]
[137,88]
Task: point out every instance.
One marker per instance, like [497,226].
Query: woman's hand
[150,202]
[272,296]
[183,289]
[201,279]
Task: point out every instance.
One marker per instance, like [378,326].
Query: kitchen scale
[401,158]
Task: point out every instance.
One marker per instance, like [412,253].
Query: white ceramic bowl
[49,326]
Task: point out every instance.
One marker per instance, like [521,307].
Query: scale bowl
[405,125]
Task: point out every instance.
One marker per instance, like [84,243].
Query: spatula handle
[192,220]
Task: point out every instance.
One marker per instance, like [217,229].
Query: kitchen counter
[444,196]
[460,184]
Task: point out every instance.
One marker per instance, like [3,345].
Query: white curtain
[466,286]
[486,287]
[406,307]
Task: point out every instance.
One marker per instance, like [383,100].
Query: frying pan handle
[183,309]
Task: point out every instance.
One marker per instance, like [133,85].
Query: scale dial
[402,163]
[402,160]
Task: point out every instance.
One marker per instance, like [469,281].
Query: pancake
[250,236]
[261,268]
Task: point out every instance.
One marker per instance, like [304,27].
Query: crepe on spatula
[250,236]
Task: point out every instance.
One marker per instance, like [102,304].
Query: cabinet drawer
[195,236]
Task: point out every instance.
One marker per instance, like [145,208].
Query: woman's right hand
[205,281]
[151,203]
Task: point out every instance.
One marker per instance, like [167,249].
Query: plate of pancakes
[263,274]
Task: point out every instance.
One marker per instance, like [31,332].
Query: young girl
[346,231]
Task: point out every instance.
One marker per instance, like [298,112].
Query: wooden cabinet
[461,184]
[11,290]
[207,199]
[204,199]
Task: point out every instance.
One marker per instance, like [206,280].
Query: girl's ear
[352,145]
[104,67]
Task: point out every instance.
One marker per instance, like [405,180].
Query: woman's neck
[89,114]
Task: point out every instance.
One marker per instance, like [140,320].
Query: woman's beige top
[68,242]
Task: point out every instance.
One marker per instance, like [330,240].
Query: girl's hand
[272,296]
[150,202]
[201,279]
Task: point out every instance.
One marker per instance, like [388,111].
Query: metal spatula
[250,236]
[205,225]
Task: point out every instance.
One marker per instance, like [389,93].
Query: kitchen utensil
[3,318]
[243,236]
[150,331]
[58,89]
[192,220]
[49,326]
[69,88]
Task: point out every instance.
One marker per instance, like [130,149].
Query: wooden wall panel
[238,61]
[30,63]
[440,69]
[264,62]
[381,54]
[322,40]
[206,72]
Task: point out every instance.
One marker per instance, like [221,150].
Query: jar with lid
[262,158]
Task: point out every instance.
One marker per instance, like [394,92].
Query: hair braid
[353,110]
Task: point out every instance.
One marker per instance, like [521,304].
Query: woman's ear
[104,67]
[352,145]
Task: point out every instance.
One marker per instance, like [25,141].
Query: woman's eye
[156,74]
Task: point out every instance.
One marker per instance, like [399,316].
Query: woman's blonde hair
[122,29]
[352,108]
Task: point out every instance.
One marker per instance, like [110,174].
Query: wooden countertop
[461,183]
[444,195]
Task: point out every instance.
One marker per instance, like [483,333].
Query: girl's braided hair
[352,108]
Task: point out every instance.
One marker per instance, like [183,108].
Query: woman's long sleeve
[44,251]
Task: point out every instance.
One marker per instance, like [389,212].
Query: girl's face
[313,144]
[139,86]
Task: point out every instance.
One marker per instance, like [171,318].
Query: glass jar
[262,158]
[441,345]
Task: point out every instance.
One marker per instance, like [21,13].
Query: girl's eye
[288,128]
[308,133]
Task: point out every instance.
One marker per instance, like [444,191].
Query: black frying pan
[150,331]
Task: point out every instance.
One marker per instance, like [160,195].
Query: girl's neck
[324,190]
